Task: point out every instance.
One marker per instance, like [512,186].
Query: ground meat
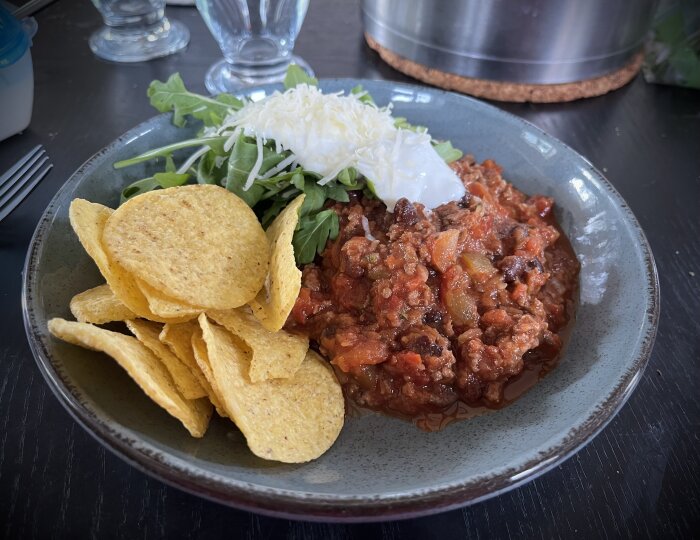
[418,309]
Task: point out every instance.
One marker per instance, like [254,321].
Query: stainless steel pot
[524,41]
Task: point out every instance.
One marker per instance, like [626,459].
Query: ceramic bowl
[380,467]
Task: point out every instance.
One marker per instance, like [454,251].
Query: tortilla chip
[274,303]
[202,356]
[178,338]
[166,307]
[88,221]
[142,366]
[147,333]
[198,244]
[276,355]
[98,306]
[290,420]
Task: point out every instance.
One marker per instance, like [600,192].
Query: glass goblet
[256,38]
[136,30]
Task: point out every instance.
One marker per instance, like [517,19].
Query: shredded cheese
[365,227]
[327,133]
[289,160]
[253,174]
[190,160]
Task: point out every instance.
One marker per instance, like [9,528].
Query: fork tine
[19,174]
[14,202]
[21,181]
[19,164]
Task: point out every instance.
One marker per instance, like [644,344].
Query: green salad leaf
[446,151]
[137,188]
[216,144]
[209,171]
[362,94]
[295,75]
[349,178]
[170,179]
[173,96]
[162,180]
[242,160]
[402,123]
[313,233]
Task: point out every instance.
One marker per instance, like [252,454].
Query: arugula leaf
[337,192]
[281,180]
[364,97]
[295,75]
[369,190]
[162,180]
[232,101]
[137,188]
[349,177]
[251,196]
[170,164]
[173,96]
[240,163]
[402,123]
[207,170]
[315,197]
[215,143]
[446,151]
[270,159]
[297,180]
[170,179]
[273,210]
[242,160]
[313,233]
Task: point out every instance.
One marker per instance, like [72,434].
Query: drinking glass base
[137,45]
[224,77]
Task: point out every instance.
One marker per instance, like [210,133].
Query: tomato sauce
[429,314]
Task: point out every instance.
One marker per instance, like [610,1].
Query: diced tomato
[480,228]
[394,262]
[533,244]
[519,292]
[365,352]
[497,317]
[491,164]
[352,293]
[535,281]
[408,361]
[304,307]
[543,205]
[477,189]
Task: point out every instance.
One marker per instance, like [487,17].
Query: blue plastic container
[16,73]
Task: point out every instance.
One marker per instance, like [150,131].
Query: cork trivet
[514,92]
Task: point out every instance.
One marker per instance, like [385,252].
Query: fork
[22,178]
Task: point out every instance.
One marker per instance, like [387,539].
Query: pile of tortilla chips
[205,293]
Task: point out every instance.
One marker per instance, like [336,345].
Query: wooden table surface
[639,478]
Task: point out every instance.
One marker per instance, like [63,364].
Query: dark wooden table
[639,477]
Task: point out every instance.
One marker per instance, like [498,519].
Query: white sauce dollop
[329,132]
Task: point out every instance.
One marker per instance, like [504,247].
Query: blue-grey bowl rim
[280,503]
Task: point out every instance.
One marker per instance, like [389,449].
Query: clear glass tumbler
[136,30]
[256,37]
